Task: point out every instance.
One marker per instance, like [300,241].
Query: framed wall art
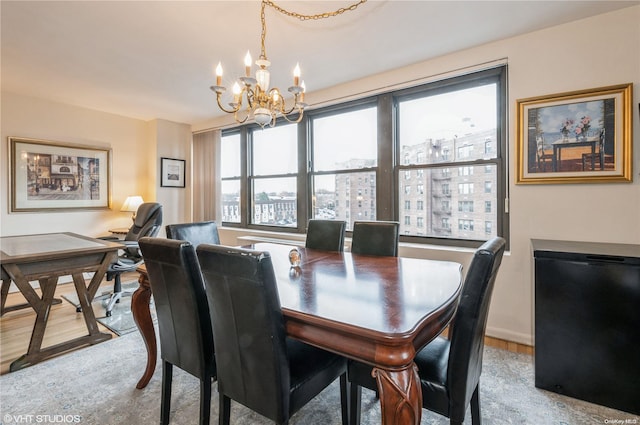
[53,176]
[575,137]
[172,172]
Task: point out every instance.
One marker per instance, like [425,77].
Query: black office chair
[449,369]
[375,238]
[326,235]
[258,366]
[184,322]
[147,223]
[195,233]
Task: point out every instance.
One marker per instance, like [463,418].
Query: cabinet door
[587,318]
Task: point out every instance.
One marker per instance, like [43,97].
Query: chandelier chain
[318,16]
[299,16]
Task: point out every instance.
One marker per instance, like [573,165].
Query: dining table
[376,310]
[561,144]
[45,258]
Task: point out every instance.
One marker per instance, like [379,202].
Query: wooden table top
[383,295]
[22,248]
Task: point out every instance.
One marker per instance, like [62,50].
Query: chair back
[248,328]
[469,324]
[194,233]
[326,235]
[147,223]
[375,238]
[184,322]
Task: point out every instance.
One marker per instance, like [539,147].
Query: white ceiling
[155,59]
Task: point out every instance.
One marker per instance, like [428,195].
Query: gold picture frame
[56,176]
[575,137]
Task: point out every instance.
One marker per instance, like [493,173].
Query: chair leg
[117,294]
[205,400]
[355,401]
[224,413]
[344,398]
[165,398]
[475,407]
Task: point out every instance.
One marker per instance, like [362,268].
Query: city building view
[448,200]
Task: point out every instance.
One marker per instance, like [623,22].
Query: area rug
[121,320]
[96,386]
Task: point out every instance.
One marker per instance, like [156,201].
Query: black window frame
[390,166]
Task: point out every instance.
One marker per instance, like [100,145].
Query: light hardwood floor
[65,323]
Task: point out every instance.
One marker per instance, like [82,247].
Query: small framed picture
[172,172]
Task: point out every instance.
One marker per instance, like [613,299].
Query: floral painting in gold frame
[576,137]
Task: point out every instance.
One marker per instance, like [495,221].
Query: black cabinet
[587,321]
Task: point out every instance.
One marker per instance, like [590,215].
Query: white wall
[595,52]
[136,147]
[173,140]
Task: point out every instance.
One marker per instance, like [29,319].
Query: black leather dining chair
[184,322]
[195,233]
[375,238]
[258,365]
[326,235]
[449,369]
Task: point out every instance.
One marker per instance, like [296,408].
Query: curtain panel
[206,176]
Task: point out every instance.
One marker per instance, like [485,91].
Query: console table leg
[142,316]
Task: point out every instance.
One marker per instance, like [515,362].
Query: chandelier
[252,95]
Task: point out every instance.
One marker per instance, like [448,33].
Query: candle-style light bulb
[296,75]
[247,64]
[219,74]
[236,92]
[304,88]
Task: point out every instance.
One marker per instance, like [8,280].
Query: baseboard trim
[510,336]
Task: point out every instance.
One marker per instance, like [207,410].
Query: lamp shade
[132,203]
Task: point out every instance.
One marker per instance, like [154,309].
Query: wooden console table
[46,257]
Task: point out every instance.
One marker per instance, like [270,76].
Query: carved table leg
[142,316]
[400,395]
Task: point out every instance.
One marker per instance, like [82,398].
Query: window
[488,147]
[344,163]
[465,188]
[465,206]
[230,173]
[465,224]
[274,183]
[447,139]
[465,171]
[455,124]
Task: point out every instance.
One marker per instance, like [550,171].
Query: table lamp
[131,205]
